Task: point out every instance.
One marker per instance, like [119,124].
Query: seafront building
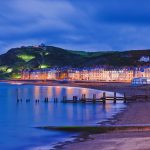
[92,74]
[101,74]
[42,74]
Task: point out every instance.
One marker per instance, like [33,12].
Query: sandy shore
[137,113]
[114,141]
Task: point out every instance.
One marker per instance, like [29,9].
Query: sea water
[19,119]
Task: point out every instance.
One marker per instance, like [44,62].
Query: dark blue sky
[90,25]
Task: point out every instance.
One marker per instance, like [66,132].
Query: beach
[136,113]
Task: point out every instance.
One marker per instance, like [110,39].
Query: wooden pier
[94,99]
[105,98]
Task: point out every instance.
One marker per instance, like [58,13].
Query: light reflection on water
[17,119]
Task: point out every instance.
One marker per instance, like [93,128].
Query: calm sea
[17,120]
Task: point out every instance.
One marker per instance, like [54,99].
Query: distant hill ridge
[31,57]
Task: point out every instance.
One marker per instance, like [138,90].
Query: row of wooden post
[104,98]
[115,98]
[36,100]
[83,98]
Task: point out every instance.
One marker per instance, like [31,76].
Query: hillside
[18,59]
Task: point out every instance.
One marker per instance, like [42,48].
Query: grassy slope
[35,57]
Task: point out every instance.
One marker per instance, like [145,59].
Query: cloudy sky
[90,25]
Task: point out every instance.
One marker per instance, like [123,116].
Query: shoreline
[120,87]
[118,137]
[134,113]
[83,137]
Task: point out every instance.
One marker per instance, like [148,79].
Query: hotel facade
[93,74]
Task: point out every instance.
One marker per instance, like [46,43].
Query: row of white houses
[95,74]
[101,75]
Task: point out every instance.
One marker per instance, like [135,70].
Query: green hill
[17,59]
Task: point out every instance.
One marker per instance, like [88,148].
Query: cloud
[33,15]
[91,25]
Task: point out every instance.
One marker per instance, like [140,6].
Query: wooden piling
[83,98]
[55,100]
[104,98]
[64,99]
[94,98]
[115,97]
[74,99]
[46,99]
[125,98]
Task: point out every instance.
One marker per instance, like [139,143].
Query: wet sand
[136,114]
[113,141]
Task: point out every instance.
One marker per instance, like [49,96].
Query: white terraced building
[102,75]
[95,74]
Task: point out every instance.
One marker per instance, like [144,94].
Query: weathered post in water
[115,97]
[125,98]
[17,95]
[75,99]
[46,99]
[55,100]
[94,98]
[64,99]
[83,98]
[27,100]
[104,98]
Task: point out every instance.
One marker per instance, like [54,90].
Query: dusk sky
[91,25]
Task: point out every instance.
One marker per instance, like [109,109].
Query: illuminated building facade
[92,74]
[74,75]
[43,74]
[102,75]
